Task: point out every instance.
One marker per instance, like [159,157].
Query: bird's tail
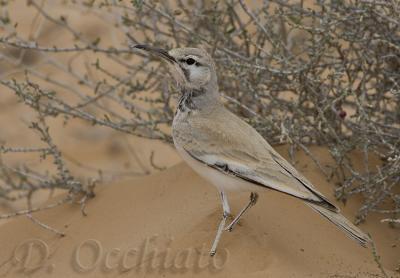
[345,225]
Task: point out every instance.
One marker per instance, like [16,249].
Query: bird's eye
[190,61]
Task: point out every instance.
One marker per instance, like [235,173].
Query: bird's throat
[197,99]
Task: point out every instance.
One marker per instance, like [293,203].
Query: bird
[228,152]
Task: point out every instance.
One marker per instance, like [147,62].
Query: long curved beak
[156,51]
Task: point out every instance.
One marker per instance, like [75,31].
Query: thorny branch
[23,182]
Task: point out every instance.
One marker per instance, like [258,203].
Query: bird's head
[191,67]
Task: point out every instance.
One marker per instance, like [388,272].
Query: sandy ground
[147,226]
[162,226]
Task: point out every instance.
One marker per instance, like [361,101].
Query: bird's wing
[238,150]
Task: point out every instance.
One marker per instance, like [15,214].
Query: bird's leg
[252,202]
[225,215]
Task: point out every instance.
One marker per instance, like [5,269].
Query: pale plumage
[227,151]
[220,139]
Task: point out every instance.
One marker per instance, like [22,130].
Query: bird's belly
[222,181]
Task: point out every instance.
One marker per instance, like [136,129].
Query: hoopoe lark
[227,151]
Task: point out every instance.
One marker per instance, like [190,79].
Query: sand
[146,227]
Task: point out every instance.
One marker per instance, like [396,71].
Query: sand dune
[154,222]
